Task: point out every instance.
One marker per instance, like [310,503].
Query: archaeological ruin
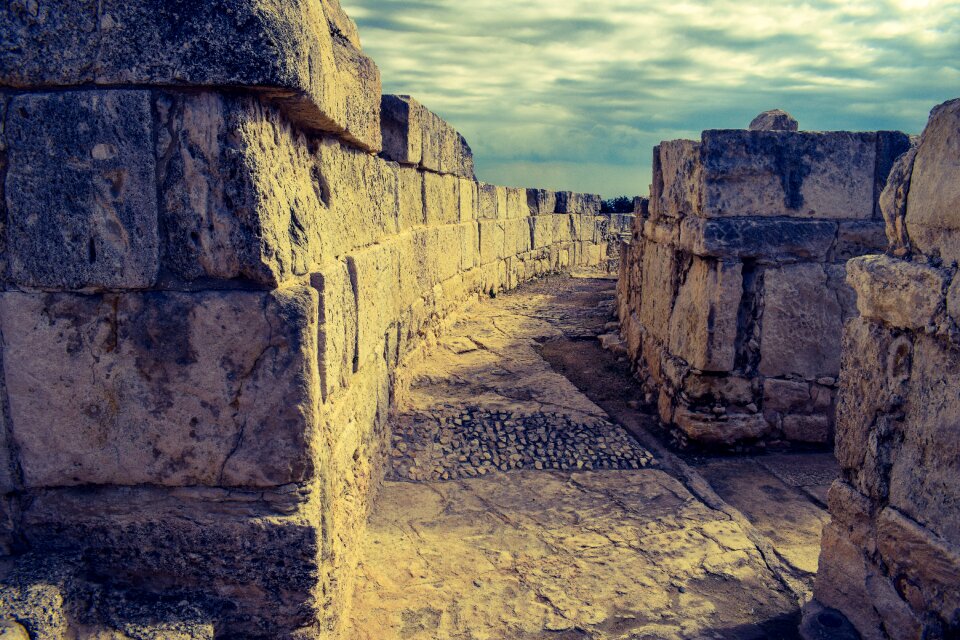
[275,364]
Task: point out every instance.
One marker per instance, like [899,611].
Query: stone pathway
[517,508]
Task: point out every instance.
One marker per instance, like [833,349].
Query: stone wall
[208,281]
[890,558]
[732,295]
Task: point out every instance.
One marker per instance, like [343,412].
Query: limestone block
[469,199]
[759,239]
[891,145]
[361,194]
[541,229]
[562,228]
[488,202]
[469,245]
[446,247]
[932,416]
[238,193]
[580,203]
[814,428]
[441,199]
[375,273]
[802,323]
[859,237]
[728,429]
[893,201]
[876,370]
[703,323]
[516,203]
[898,293]
[491,240]
[516,239]
[781,173]
[928,563]
[774,120]
[410,198]
[340,23]
[659,287]
[934,197]
[662,231]
[81,190]
[212,388]
[677,188]
[258,553]
[401,123]
[786,396]
[541,201]
[704,388]
[337,330]
[286,52]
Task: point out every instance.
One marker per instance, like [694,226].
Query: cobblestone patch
[472,442]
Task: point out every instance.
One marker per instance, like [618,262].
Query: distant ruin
[221,247]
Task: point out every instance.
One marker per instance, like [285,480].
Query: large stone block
[517,203]
[758,239]
[703,323]
[934,197]
[898,293]
[677,188]
[802,323]
[81,190]
[859,237]
[727,429]
[412,134]
[582,203]
[541,229]
[375,272]
[780,173]
[441,199]
[488,202]
[410,199]
[239,194]
[658,289]
[285,51]
[469,199]
[491,240]
[337,330]
[541,201]
[209,388]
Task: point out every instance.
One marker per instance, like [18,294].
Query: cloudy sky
[574,93]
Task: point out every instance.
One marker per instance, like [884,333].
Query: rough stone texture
[286,52]
[732,292]
[774,120]
[81,201]
[890,559]
[161,388]
[414,135]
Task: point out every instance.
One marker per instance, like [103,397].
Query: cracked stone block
[728,429]
[488,206]
[516,236]
[375,273]
[491,240]
[582,203]
[677,188]
[802,323]
[541,201]
[934,187]
[541,229]
[441,199]
[469,199]
[895,292]
[758,239]
[658,289]
[703,322]
[414,135]
[410,201]
[286,52]
[337,328]
[165,388]
[80,190]
[781,173]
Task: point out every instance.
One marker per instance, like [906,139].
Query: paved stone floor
[530,497]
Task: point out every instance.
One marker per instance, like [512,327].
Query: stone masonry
[890,559]
[208,280]
[732,295]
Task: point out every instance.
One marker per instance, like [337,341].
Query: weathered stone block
[802,323]
[785,396]
[779,239]
[285,51]
[703,324]
[659,289]
[238,192]
[469,200]
[781,173]
[709,389]
[162,388]
[375,273]
[412,134]
[731,428]
[859,237]
[491,240]
[81,190]
[814,428]
[541,201]
[488,202]
[337,330]
[931,219]
[441,199]
[410,200]
[516,203]
[898,293]
[516,238]
[677,188]
[541,229]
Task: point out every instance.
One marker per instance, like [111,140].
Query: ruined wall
[890,558]
[208,281]
[732,295]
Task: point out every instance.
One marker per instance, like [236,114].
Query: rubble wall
[208,281]
[890,557]
[731,291]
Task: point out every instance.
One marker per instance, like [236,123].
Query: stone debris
[447,445]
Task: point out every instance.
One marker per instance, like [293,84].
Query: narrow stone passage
[518,508]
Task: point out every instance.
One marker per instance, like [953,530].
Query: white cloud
[581,90]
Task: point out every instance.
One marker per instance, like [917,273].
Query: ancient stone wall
[732,294]
[890,558]
[208,281]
